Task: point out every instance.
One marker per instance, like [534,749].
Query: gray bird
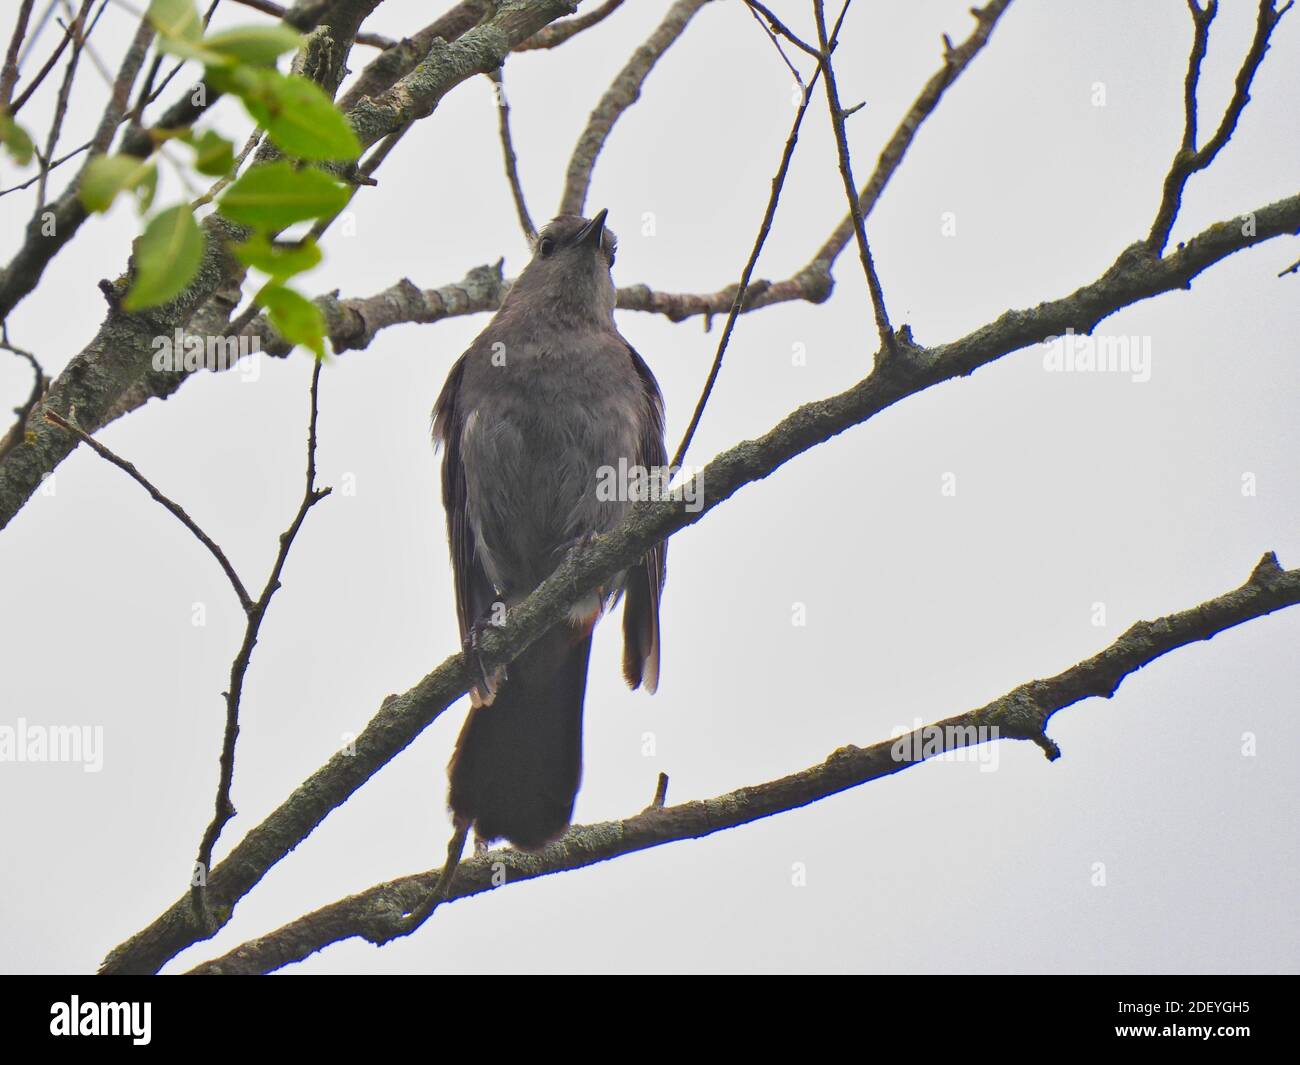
[547,400]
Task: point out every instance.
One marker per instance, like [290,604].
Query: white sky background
[1072,489]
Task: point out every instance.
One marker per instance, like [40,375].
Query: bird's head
[569,271]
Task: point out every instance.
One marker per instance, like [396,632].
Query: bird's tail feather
[518,761]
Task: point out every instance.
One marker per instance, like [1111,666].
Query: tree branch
[765,227]
[39,385]
[1188,160]
[557,33]
[837,116]
[381,913]
[167,504]
[223,807]
[622,94]
[269,7]
[9,72]
[955,61]
[508,154]
[1136,275]
[116,366]
[387,68]
[477,51]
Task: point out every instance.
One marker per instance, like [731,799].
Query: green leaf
[300,118]
[279,260]
[145,188]
[107,175]
[233,81]
[15,139]
[176,20]
[213,154]
[258,45]
[276,195]
[183,49]
[167,256]
[295,317]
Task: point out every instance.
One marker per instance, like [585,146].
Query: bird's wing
[645,579]
[474,591]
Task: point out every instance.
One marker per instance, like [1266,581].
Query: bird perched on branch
[547,400]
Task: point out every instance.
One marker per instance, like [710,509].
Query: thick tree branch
[123,349]
[52,228]
[477,51]
[269,7]
[112,371]
[1136,275]
[394,63]
[557,33]
[382,912]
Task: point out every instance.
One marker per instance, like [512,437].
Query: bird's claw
[487,682]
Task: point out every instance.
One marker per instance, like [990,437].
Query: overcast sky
[1071,490]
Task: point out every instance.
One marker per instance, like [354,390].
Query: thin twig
[776,42]
[778,183]
[775,25]
[254,139]
[955,62]
[1189,159]
[223,807]
[35,35]
[621,94]
[837,115]
[43,73]
[508,152]
[39,385]
[61,105]
[172,508]
[84,40]
[9,72]
[364,176]
[53,166]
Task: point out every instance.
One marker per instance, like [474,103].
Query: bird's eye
[611,249]
[545,246]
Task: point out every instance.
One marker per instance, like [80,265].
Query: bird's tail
[518,761]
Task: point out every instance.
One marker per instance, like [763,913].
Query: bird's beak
[591,232]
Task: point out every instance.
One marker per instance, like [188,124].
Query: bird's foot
[487,681]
